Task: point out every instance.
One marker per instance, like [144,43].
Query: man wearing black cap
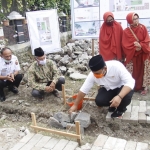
[116,85]
[43,76]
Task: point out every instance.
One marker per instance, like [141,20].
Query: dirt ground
[15,113]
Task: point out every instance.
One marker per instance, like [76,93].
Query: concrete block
[110,143]
[51,143]
[62,117]
[120,144]
[108,116]
[100,141]
[142,146]
[96,148]
[142,109]
[61,144]
[55,123]
[43,141]
[71,145]
[130,145]
[142,117]
[84,119]
[148,119]
[135,103]
[142,103]
[126,117]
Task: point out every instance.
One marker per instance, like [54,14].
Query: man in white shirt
[116,85]
[9,69]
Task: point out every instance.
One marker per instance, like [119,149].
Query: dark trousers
[40,93]
[104,97]
[10,84]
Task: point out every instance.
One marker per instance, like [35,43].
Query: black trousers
[40,93]
[104,97]
[10,84]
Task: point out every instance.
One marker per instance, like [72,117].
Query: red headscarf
[128,40]
[110,39]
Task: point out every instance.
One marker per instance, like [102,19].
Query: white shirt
[7,69]
[116,76]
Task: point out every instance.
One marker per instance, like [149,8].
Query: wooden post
[92,47]
[78,132]
[34,121]
[64,94]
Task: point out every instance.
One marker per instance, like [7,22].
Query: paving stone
[61,144]
[120,144]
[126,117]
[134,114]
[135,103]
[142,146]
[100,141]
[96,148]
[110,143]
[43,141]
[135,109]
[142,109]
[18,146]
[130,145]
[108,116]
[36,148]
[26,138]
[128,108]
[143,103]
[148,119]
[51,143]
[142,117]
[147,103]
[71,145]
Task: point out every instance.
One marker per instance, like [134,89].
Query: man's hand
[12,76]
[48,89]
[115,102]
[9,78]
[52,85]
[73,108]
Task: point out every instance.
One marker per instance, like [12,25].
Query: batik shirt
[40,75]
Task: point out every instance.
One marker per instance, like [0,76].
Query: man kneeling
[116,85]
[43,76]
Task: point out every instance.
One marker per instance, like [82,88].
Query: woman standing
[136,46]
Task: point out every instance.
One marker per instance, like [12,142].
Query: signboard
[87,15]
[44,30]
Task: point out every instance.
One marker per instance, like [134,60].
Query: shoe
[117,114]
[56,94]
[13,89]
[111,109]
[2,98]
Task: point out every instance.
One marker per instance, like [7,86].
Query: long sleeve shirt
[40,75]
[116,76]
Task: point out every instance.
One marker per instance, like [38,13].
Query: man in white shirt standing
[9,72]
[116,85]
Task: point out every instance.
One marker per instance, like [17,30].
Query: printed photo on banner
[86,3]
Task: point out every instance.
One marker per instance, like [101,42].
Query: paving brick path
[135,112]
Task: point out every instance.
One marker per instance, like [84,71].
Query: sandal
[144,92]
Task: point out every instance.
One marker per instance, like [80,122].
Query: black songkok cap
[38,52]
[96,63]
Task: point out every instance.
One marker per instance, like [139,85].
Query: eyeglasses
[134,19]
[110,20]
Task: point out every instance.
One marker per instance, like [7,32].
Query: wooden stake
[64,94]
[34,121]
[78,132]
[92,47]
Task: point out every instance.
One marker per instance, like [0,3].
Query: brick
[61,144]
[142,109]
[143,103]
[110,143]
[43,141]
[71,145]
[135,103]
[130,145]
[96,148]
[51,143]
[142,117]
[148,119]
[120,144]
[142,146]
[108,116]
[126,117]
[100,141]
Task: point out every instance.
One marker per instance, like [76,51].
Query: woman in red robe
[110,38]
[136,47]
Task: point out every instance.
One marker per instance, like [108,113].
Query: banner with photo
[87,15]
[44,30]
